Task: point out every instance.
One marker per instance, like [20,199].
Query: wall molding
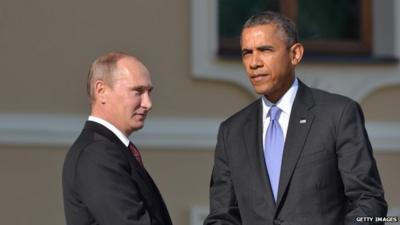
[353,80]
[62,130]
[159,132]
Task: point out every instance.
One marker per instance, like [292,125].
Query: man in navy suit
[104,180]
[297,155]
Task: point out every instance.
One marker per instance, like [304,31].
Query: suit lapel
[252,135]
[160,202]
[105,132]
[150,191]
[137,167]
[299,125]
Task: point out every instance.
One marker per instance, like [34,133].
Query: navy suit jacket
[104,184]
[328,173]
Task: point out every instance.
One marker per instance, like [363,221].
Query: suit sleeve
[357,166]
[105,185]
[223,204]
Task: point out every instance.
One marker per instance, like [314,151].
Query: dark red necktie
[135,153]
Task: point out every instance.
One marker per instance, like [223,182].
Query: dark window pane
[328,27]
[233,13]
[329,19]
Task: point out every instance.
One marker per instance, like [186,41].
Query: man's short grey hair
[284,24]
[104,68]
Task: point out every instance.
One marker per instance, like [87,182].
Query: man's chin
[261,91]
[138,126]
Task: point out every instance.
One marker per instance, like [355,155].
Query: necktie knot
[274,112]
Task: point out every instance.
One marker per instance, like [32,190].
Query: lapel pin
[303,121]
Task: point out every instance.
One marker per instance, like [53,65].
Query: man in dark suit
[297,155]
[104,181]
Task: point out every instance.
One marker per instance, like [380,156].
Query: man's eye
[136,92]
[245,53]
[266,49]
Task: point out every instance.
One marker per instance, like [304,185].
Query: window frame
[228,47]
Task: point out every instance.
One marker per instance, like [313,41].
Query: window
[329,27]
[362,74]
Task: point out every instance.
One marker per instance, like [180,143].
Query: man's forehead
[262,29]
[132,66]
[260,33]
[131,63]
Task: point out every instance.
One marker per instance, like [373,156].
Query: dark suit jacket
[104,184]
[328,175]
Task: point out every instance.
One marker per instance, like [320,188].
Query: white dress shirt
[285,104]
[112,128]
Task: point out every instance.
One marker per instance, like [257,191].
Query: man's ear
[100,91]
[296,53]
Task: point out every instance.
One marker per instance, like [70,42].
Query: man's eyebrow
[259,48]
[265,47]
[143,88]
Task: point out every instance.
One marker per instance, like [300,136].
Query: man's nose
[255,61]
[146,101]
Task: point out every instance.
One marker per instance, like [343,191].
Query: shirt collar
[285,103]
[112,128]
